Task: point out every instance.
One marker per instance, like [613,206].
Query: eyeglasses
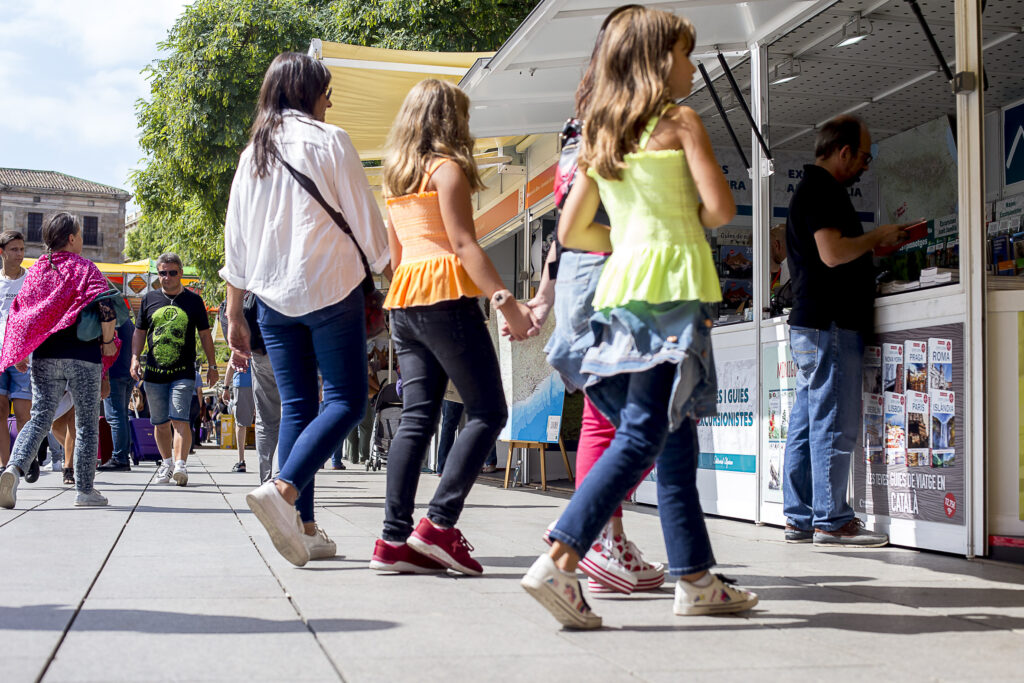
[167,273]
[329,92]
[867,157]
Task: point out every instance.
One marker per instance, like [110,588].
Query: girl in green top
[651,370]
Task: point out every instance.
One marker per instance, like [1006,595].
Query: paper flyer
[918,429]
[892,368]
[915,365]
[872,369]
[874,442]
[895,429]
[943,432]
[940,364]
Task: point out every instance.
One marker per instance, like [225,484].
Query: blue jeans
[642,439]
[823,428]
[115,409]
[332,339]
[451,414]
[445,340]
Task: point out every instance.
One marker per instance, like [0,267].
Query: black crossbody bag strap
[339,218]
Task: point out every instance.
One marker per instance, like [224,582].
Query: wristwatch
[500,298]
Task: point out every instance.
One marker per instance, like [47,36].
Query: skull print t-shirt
[170,323]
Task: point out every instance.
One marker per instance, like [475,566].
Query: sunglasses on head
[167,273]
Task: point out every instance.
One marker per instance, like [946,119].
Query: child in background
[651,370]
[438,326]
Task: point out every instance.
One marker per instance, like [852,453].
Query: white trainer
[603,563]
[180,475]
[281,520]
[9,487]
[560,594]
[720,596]
[163,473]
[319,546]
[93,499]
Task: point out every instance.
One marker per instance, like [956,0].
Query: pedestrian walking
[438,326]
[63,299]
[829,252]
[170,319]
[115,406]
[15,386]
[306,272]
[238,393]
[651,369]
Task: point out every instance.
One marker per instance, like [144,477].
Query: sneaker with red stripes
[605,566]
[402,559]
[447,546]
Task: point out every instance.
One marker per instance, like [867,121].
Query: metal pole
[743,102]
[721,112]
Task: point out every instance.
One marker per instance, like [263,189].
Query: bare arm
[717,204]
[454,196]
[138,343]
[394,246]
[835,250]
[576,227]
[206,337]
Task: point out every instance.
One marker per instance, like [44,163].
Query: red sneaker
[402,559]
[447,546]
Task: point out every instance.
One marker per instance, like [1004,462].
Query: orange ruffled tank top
[429,271]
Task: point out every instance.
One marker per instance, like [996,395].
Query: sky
[70,74]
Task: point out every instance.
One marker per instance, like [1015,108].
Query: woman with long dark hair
[65,316]
[281,244]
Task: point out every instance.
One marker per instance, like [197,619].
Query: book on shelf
[940,364]
[872,369]
[943,430]
[915,365]
[895,429]
[918,429]
[892,368]
[874,428]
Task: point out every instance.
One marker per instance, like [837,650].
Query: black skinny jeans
[445,340]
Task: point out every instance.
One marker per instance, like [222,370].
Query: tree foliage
[203,94]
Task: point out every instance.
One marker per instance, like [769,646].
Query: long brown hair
[432,122]
[293,81]
[630,84]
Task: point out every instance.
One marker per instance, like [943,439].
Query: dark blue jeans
[823,428]
[641,440]
[435,343]
[332,339]
[115,409]
[451,414]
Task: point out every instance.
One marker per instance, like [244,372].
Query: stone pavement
[183,584]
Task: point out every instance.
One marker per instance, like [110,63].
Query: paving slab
[183,584]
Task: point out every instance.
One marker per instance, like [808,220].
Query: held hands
[21,366]
[520,321]
[539,307]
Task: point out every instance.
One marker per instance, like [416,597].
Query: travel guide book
[940,364]
[943,436]
[872,369]
[915,365]
[874,428]
[918,429]
[892,368]
[895,429]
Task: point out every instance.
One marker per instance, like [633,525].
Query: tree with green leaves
[203,95]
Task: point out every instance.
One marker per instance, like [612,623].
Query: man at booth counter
[833,276]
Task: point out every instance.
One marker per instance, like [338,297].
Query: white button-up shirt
[279,242]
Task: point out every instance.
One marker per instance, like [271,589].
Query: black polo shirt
[843,295]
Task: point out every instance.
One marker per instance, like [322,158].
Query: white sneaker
[718,597]
[93,499]
[318,545]
[560,594]
[9,487]
[180,474]
[163,473]
[281,520]
[603,564]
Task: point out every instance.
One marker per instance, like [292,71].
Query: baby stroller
[387,408]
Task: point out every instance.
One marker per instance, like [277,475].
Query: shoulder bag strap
[339,219]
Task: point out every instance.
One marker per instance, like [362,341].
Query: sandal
[69,476]
[239,467]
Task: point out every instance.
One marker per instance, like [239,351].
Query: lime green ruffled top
[659,251]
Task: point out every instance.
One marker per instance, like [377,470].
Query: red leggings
[595,435]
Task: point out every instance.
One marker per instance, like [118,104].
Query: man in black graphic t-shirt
[168,321]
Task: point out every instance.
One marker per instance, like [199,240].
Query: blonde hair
[630,84]
[433,122]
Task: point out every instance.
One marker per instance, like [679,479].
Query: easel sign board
[538,416]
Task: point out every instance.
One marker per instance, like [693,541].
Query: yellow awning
[109,268]
[370,83]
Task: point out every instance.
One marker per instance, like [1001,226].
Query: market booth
[939,461]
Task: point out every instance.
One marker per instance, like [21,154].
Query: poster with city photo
[926,480]
[778,393]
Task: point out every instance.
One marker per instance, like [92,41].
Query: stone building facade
[28,199]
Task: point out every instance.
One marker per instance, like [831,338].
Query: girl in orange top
[438,326]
